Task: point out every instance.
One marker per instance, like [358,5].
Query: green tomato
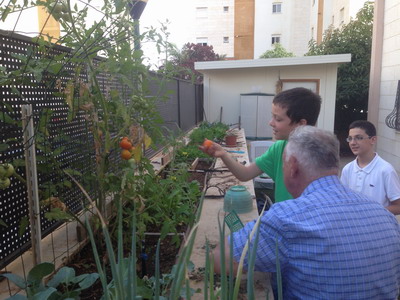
[4,183]
[3,171]
[9,168]
[132,162]
[58,8]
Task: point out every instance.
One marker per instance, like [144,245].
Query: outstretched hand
[211,148]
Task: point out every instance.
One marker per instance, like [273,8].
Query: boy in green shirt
[290,108]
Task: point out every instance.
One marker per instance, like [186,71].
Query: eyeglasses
[357,138]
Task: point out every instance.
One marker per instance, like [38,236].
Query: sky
[157,12]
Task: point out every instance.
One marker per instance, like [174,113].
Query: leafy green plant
[63,285]
[277,51]
[167,203]
[212,131]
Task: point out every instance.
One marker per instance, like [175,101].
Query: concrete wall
[389,139]
[222,88]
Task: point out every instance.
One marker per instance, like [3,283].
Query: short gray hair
[315,149]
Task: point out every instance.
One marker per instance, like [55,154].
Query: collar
[368,168]
[321,183]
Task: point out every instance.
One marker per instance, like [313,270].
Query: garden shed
[226,81]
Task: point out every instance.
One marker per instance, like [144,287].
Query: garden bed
[83,262]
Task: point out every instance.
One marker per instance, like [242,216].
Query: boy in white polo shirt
[369,173]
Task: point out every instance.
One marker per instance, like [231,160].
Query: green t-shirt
[271,163]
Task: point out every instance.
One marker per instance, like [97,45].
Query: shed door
[263,117]
[248,114]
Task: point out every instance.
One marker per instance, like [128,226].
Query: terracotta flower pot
[231,140]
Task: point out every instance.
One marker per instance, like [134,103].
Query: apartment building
[245,29]
[214,25]
[327,13]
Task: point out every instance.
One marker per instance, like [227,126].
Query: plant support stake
[31,182]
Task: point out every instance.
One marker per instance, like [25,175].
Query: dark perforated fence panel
[180,110]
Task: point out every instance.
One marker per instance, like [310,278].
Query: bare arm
[217,259]
[241,172]
[394,207]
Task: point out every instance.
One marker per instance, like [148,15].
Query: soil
[83,262]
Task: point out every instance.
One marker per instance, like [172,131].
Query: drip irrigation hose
[143,257]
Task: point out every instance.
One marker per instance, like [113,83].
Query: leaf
[5,13]
[67,183]
[2,223]
[57,214]
[4,117]
[23,225]
[18,281]
[44,294]
[58,150]
[147,141]
[55,68]
[38,272]
[17,297]
[88,280]
[64,275]
[3,147]
[69,95]
[137,153]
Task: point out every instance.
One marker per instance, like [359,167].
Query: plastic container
[239,199]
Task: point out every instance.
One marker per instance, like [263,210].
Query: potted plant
[231,139]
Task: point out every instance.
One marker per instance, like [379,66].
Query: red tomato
[207,143]
[125,144]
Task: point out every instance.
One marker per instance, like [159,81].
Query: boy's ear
[303,122]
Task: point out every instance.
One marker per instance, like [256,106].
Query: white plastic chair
[257,148]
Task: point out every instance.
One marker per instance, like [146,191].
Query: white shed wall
[222,88]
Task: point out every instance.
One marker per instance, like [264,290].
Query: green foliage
[168,203]
[212,131]
[353,78]
[277,51]
[63,285]
[183,61]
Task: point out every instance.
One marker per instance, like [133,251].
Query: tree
[183,61]
[278,51]
[353,78]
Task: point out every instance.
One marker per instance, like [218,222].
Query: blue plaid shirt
[333,243]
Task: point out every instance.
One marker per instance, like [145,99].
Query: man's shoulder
[349,165]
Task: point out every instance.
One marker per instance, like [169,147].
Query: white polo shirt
[378,180]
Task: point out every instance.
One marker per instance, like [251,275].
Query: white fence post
[32,182]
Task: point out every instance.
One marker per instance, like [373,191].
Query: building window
[312,32]
[226,39]
[275,39]
[201,12]
[333,20]
[226,9]
[276,8]
[202,41]
[313,2]
[342,15]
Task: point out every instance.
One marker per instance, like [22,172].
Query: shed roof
[272,62]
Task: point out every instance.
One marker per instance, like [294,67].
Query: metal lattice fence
[181,110]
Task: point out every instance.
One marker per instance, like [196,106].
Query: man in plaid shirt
[333,243]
